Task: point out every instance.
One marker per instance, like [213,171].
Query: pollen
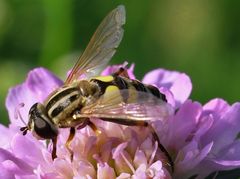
[74,116]
[98,132]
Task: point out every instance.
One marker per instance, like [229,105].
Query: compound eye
[42,126]
[43,129]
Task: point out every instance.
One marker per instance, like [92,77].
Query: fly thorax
[63,103]
[88,89]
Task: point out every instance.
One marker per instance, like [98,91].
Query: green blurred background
[200,38]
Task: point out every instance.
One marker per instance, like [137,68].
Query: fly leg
[162,148]
[54,150]
[94,128]
[69,140]
[90,124]
[121,72]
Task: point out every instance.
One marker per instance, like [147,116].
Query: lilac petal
[133,140]
[110,129]
[157,166]
[178,83]
[105,172]
[169,96]
[228,164]
[63,167]
[147,147]
[106,150]
[229,123]
[229,157]
[140,158]
[38,85]
[118,150]
[182,124]
[49,176]
[122,160]
[5,136]
[204,125]
[13,167]
[124,176]
[29,177]
[112,69]
[209,166]
[5,173]
[42,82]
[17,95]
[140,172]
[156,170]
[89,148]
[191,156]
[21,145]
[84,170]
[216,107]
[14,164]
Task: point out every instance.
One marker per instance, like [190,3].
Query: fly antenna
[17,113]
[24,130]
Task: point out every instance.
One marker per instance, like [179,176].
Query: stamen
[18,114]
[150,173]
[153,154]
[128,163]
[98,159]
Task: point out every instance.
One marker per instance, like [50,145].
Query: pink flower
[200,139]
[203,139]
[117,152]
[175,85]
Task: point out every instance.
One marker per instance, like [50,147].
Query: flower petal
[216,107]
[42,82]
[204,125]
[122,160]
[63,168]
[190,156]
[229,156]
[5,173]
[140,158]
[84,170]
[16,96]
[178,83]
[105,172]
[140,172]
[5,136]
[225,129]
[124,176]
[21,145]
[14,164]
[118,150]
[182,125]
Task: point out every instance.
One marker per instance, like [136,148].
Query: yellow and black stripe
[104,82]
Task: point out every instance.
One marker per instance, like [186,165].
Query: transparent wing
[126,106]
[101,47]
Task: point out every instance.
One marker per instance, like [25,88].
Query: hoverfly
[115,98]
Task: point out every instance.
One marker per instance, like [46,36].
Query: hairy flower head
[193,136]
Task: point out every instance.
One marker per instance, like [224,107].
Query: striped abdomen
[125,83]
